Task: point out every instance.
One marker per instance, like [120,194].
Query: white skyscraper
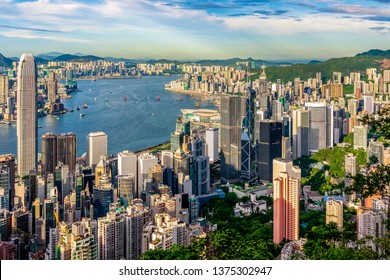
[127,163]
[96,146]
[145,161]
[212,144]
[27,115]
[369,104]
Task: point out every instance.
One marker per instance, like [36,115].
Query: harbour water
[139,122]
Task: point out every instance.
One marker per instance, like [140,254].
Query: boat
[106,99]
[124,98]
[82,115]
[197,105]
[39,126]
[94,99]
[158,98]
[181,98]
[78,108]
[71,110]
[85,106]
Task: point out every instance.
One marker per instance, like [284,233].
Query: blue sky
[182,29]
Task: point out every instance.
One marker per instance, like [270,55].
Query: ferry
[85,106]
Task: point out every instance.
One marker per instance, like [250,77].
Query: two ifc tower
[27,121]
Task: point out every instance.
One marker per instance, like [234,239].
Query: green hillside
[345,65]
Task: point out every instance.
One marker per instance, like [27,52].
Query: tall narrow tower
[27,114]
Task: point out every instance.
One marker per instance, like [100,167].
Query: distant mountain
[345,65]
[5,62]
[75,58]
[40,60]
[314,62]
[49,55]
[376,52]
[116,59]
[235,60]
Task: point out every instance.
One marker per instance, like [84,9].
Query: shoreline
[190,92]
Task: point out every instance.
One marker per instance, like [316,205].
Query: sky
[181,29]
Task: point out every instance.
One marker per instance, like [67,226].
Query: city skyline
[194,30]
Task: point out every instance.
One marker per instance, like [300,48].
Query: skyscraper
[51,87]
[127,163]
[145,161]
[58,148]
[8,160]
[103,195]
[27,115]
[212,144]
[201,176]
[49,152]
[5,187]
[268,148]
[320,125]
[248,148]
[3,88]
[231,129]
[300,133]
[286,208]
[96,146]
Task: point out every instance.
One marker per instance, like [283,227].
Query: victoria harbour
[139,122]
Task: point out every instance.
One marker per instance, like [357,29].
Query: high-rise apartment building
[96,146]
[350,164]
[286,208]
[360,137]
[137,216]
[375,149]
[111,237]
[369,104]
[4,89]
[27,115]
[51,87]
[334,213]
